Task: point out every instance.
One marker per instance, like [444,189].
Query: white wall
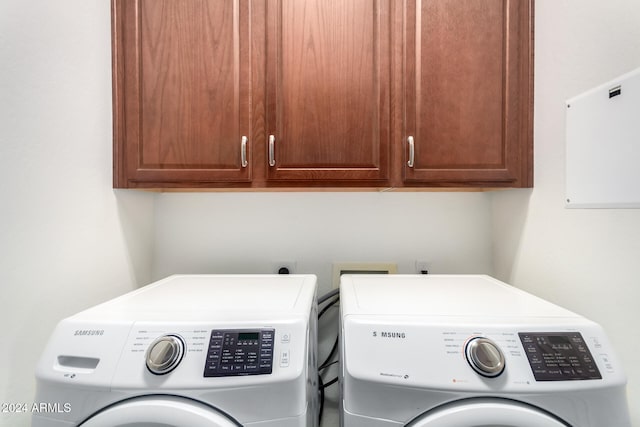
[586,260]
[67,241]
[248,232]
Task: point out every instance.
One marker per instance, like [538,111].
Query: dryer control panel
[557,356]
[234,352]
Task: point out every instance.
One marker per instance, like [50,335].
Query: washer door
[159,411]
[486,413]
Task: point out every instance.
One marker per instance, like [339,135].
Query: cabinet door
[181,92]
[468,92]
[328,90]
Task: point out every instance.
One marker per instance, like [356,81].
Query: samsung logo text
[401,335]
[89,332]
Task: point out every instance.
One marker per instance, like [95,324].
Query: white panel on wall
[603,145]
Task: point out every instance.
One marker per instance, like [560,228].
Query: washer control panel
[556,356]
[234,352]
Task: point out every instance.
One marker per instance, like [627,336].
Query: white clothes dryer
[189,350]
[471,351]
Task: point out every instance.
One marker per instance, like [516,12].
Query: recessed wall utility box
[603,145]
[361,268]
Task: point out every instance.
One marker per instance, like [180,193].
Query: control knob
[165,354]
[485,357]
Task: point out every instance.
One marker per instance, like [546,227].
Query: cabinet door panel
[185,80]
[328,89]
[467,95]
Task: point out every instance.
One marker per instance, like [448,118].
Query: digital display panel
[248,336]
[557,356]
[235,352]
[559,343]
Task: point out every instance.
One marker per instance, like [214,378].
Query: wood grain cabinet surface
[182,92]
[468,92]
[328,78]
[322,93]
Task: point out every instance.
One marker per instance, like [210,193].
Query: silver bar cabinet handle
[412,151]
[272,148]
[243,152]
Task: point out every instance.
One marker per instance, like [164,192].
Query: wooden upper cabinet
[327,85]
[182,87]
[307,93]
[468,93]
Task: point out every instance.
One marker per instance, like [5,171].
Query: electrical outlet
[422,267]
[280,266]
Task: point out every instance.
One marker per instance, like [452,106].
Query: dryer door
[159,411]
[485,413]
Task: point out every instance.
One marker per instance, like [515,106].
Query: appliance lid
[441,295]
[218,296]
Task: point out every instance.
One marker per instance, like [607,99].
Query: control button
[540,371]
[485,357]
[607,362]
[165,354]
[286,337]
[284,358]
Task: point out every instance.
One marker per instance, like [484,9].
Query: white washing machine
[471,351]
[189,350]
